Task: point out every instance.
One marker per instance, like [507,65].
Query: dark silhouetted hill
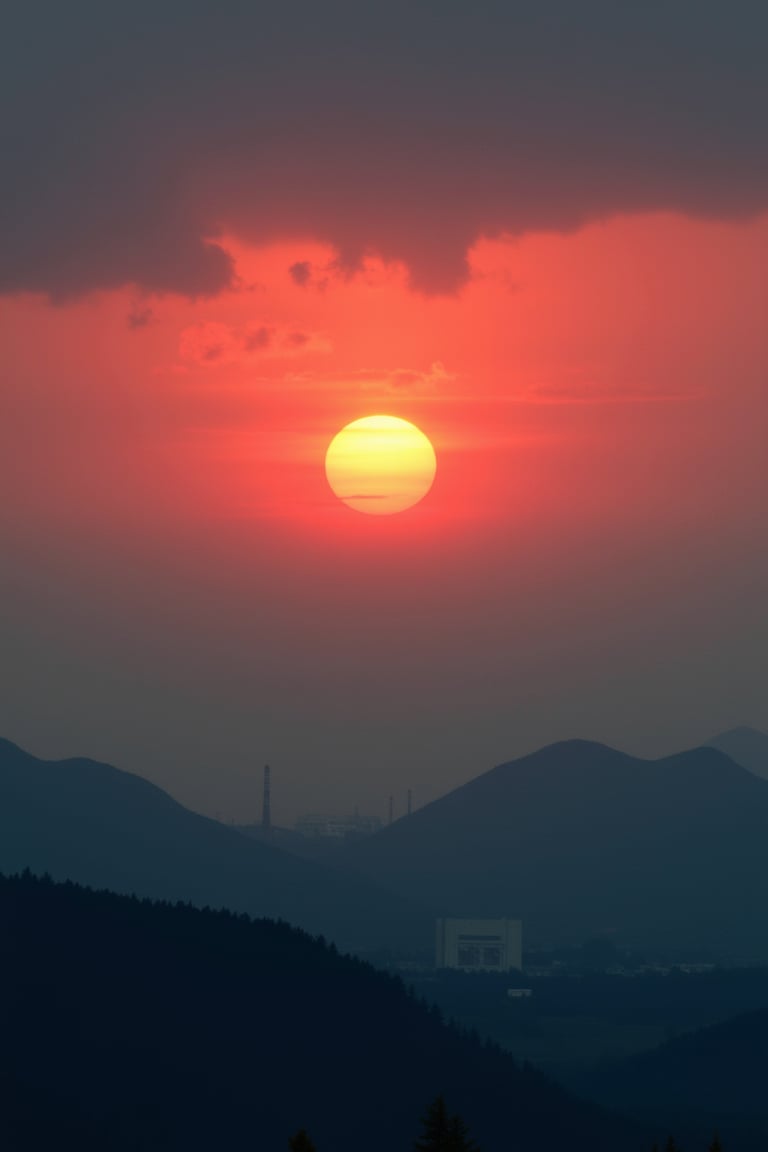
[747,746]
[130,1025]
[88,822]
[711,1078]
[580,841]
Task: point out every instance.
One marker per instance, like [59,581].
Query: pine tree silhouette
[301,1142]
[443,1133]
[434,1125]
[458,1138]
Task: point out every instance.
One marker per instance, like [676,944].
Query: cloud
[256,340]
[407,380]
[402,381]
[305,274]
[140,317]
[301,272]
[213,343]
[135,136]
[591,392]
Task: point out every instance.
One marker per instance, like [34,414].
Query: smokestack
[266,807]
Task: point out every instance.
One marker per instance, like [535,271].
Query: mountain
[579,841]
[326,849]
[707,1079]
[136,1025]
[84,821]
[747,746]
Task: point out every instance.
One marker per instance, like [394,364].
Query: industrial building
[349,827]
[479,945]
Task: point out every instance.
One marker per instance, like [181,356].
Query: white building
[479,945]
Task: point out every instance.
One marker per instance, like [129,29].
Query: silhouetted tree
[434,1128]
[458,1138]
[716,1145]
[443,1133]
[670,1145]
[301,1142]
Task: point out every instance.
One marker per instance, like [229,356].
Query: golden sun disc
[380,465]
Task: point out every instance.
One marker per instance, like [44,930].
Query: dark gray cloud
[301,272]
[140,317]
[135,135]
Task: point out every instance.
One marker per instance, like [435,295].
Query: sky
[537,231]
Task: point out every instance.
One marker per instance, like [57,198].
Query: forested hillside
[133,1025]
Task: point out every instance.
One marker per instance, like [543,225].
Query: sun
[380,465]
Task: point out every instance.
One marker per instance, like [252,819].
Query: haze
[507,236]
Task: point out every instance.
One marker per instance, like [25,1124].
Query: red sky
[184,596]
[539,231]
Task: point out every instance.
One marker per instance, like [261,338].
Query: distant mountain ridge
[89,822]
[577,840]
[746,746]
[711,1078]
[580,840]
